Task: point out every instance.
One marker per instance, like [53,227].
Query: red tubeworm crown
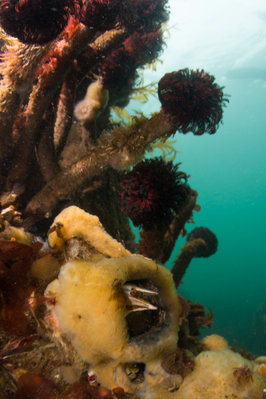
[99,13]
[152,191]
[144,15]
[144,47]
[192,101]
[34,21]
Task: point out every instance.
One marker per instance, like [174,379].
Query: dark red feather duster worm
[152,191]
[34,21]
[192,101]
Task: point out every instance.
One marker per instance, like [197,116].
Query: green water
[229,172]
[227,169]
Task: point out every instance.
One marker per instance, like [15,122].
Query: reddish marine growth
[192,101]
[34,21]
[144,47]
[119,67]
[118,70]
[152,191]
[99,13]
[36,386]
[143,15]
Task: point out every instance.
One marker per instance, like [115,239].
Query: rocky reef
[86,310]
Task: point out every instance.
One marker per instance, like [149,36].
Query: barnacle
[140,325]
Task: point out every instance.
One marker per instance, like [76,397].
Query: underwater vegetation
[86,311]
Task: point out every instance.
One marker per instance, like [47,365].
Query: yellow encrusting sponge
[91,308]
[75,222]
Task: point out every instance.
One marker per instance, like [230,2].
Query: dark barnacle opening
[150,320]
[135,372]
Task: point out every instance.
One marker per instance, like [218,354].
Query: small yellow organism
[93,104]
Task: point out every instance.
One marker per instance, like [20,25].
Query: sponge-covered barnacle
[113,305]
[103,320]
[75,223]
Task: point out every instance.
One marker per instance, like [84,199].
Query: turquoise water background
[227,169]
[229,172]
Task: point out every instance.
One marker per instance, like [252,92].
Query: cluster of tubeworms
[39,21]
